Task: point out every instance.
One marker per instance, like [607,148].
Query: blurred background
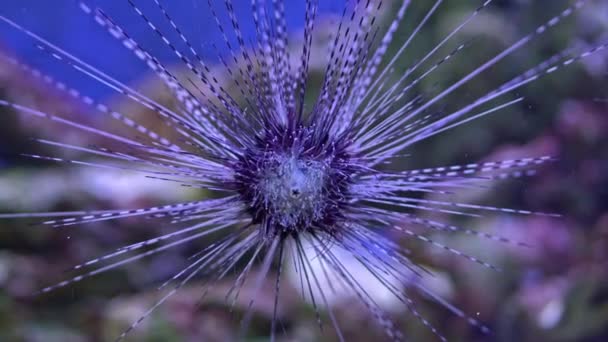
[557,290]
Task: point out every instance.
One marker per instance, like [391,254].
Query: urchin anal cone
[292,190]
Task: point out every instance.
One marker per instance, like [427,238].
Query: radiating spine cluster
[287,175]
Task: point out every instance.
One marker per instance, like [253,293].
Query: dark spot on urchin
[295,180]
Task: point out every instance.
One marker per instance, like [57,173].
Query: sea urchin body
[286,176]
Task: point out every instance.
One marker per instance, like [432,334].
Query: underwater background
[555,290]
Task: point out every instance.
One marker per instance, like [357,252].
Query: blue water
[64,24]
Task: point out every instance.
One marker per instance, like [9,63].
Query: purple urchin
[285,177]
